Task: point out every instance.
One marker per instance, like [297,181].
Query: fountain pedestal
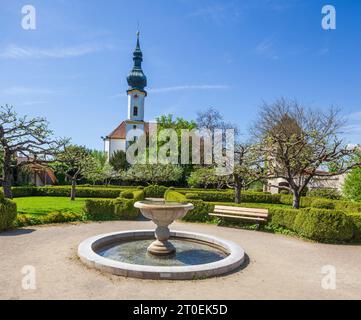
[163,214]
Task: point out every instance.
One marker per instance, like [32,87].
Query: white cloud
[266,49]
[179,88]
[18,52]
[13,91]
[189,87]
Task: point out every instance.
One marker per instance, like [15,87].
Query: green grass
[42,206]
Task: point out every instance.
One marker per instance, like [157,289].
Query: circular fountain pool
[126,254]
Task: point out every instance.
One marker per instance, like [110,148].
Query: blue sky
[231,55]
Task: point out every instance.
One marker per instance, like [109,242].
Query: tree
[28,138]
[352,186]
[100,169]
[153,173]
[297,142]
[247,169]
[119,160]
[206,177]
[77,162]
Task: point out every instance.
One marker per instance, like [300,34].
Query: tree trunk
[7,177]
[296,199]
[237,193]
[73,187]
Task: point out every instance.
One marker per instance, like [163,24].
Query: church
[137,81]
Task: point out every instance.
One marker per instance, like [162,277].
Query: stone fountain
[134,253]
[163,214]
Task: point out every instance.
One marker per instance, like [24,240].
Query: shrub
[155,191]
[348,205]
[100,210]
[64,191]
[171,195]
[323,204]
[127,195]
[356,220]
[7,213]
[323,225]
[118,209]
[194,196]
[283,217]
[352,185]
[331,194]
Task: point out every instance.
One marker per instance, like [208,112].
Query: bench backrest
[255,212]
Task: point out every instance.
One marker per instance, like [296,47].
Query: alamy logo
[329,17]
[28,281]
[28,21]
[329,279]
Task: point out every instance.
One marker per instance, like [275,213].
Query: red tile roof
[120,131]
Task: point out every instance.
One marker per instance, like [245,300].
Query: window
[135,111]
[135,127]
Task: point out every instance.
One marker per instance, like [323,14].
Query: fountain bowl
[89,252]
[163,214]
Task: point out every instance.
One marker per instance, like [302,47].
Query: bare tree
[297,143]
[76,162]
[30,139]
[247,169]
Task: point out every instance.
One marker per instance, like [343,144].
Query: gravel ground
[278,267]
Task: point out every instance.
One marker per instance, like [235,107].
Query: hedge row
[121,208]
[201,210]
[64,191]
[318,224]
[7,213]
[24,220]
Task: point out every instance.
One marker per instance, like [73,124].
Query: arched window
[135,111]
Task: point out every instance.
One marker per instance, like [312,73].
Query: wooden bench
[250,214]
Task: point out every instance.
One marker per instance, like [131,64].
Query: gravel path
[278,267]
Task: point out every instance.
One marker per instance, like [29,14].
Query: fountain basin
[91,249]
[163,214]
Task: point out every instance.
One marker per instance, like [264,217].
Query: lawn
[41,206]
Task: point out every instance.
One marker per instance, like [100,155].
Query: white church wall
[136,99]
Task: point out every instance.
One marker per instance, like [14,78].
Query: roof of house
[120,132]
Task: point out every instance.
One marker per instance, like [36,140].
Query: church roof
[120,132]
[136,78]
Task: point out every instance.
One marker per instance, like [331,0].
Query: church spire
[136,78]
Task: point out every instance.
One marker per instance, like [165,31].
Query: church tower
[137,81]
[118,139]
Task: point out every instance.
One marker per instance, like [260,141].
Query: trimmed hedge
[64,191]
[155,191]
[326,193]
[117,209]
[324,225]
[200,211]
[7,213]
[356,220]
[54,217]
[323,204]
[228,196]
[283,217]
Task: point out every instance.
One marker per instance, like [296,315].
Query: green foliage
[127,195]
[348,205]
[324,225]
[100,210]
[118,209]
[283,217]
[153,173]
[64,191]
[352,185]
[327,193]
[155,191]
[24,220]
[119,161]
[200,211]
[7,213]
[206,177]
[192,196]
[356,220]
[323,204]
